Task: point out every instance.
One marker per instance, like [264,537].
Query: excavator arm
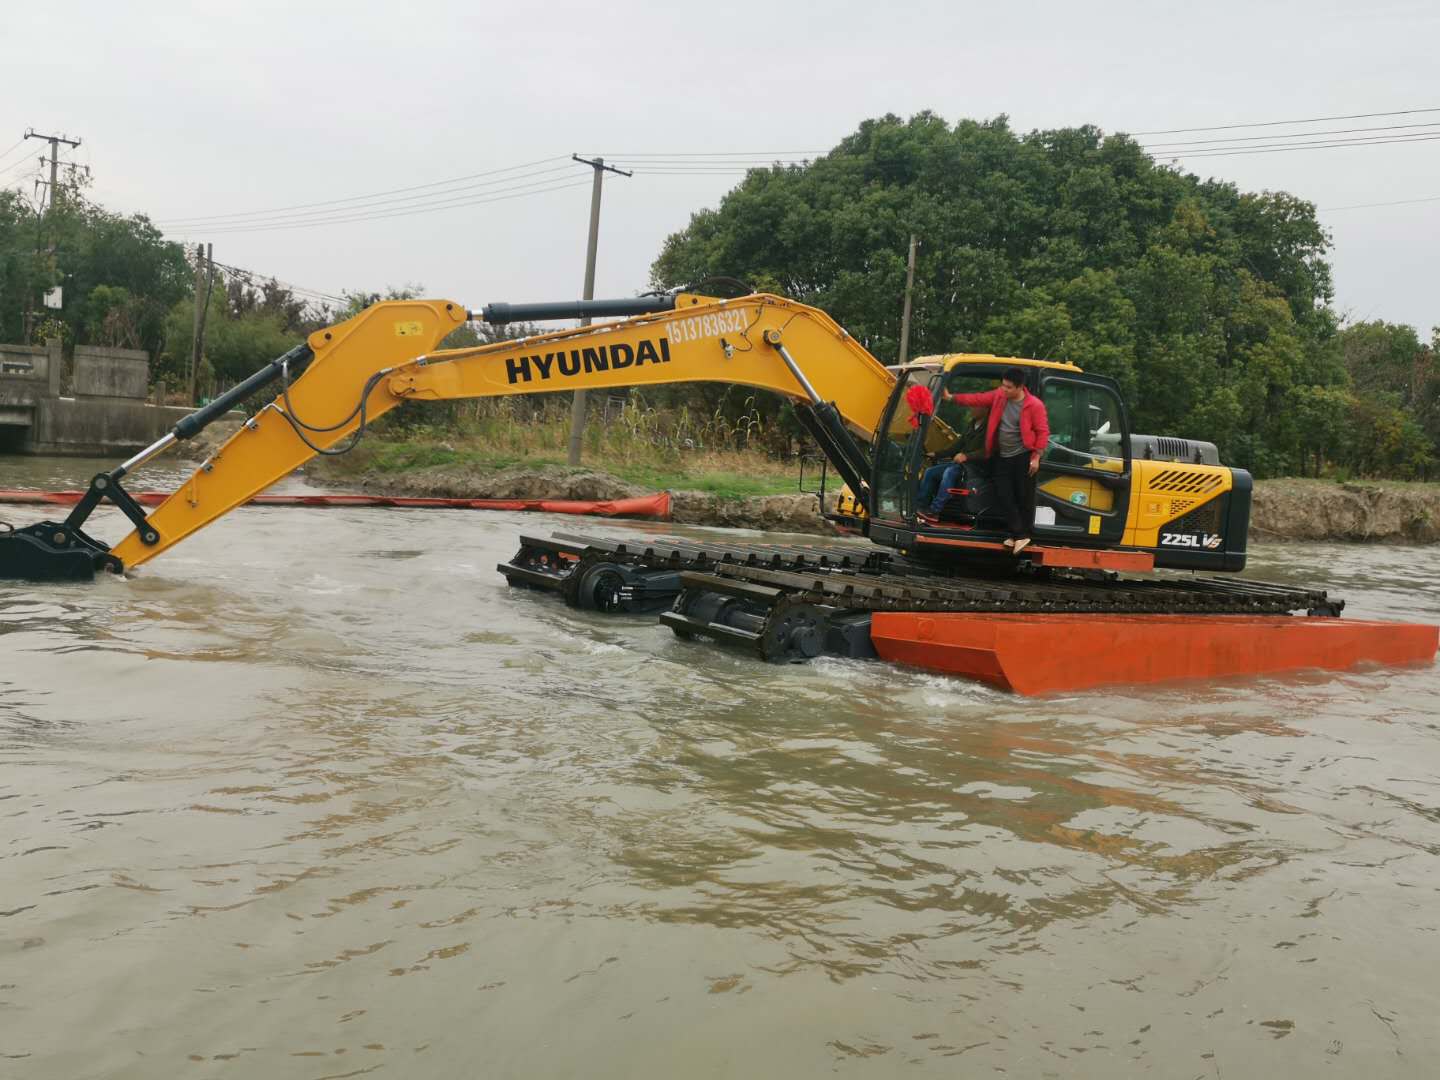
[347,375]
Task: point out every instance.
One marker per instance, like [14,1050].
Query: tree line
[1213,308]
[124,285]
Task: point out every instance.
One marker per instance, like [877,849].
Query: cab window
[1085,425]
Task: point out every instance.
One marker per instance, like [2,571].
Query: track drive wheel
[596,586]
[794,632]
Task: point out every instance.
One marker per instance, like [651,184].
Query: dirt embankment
[772,513]
[1300,510]
[544,482]
[1371,512]
[1314,510]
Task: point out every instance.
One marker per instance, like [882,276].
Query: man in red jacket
[1016,436]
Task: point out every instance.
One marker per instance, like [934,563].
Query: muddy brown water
[315,796]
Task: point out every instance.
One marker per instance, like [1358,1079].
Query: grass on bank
[670,450]
[673,449]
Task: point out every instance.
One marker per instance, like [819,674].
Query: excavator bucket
[51,551]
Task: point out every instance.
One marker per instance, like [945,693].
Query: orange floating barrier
[644,506]
[1046,654]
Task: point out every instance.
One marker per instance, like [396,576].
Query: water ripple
[317,795]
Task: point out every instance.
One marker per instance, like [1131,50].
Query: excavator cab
[1082,486]
[1099,486]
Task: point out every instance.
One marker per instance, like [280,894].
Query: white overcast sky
[189,110]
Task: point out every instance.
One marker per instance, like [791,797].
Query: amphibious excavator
[1109,502]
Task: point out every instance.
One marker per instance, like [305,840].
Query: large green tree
[247,324]
[119,276]
[1395,402]
[1209,305]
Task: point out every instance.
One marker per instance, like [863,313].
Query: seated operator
[939,478]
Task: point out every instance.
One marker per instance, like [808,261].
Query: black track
[856,578]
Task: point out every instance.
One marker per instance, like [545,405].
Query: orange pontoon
[1041,654]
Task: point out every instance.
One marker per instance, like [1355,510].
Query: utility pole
[195,321]
[577,407]
[54,141]
[905,316]
[202,309]
[53,194]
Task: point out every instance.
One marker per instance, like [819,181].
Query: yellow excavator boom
[367,365]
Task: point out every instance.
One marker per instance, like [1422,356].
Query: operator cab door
[1082,491]
[897,451]
[906,444]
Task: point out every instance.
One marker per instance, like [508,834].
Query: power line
[1368,205]
[1204,148]
[1213,151]
[518,193]
[1429,125]
[361,198]
[250,277]
[1281,123]
[497,185]
[643,167]
[676,167]
[722,153]
[11,148]
[402,202]
[768,155]
[700,172]
[341,211]
[16,165]
[709,164]
[1406,139]
[713,169]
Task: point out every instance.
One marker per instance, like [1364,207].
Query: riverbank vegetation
[1213,308]
[670,449]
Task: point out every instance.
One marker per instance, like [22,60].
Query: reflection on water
[316,795]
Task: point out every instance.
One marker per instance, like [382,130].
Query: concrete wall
[111,373]
[108,414]
[29,373]
[98,427]
[22,360]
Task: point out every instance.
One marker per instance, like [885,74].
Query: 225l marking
[1208,541]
